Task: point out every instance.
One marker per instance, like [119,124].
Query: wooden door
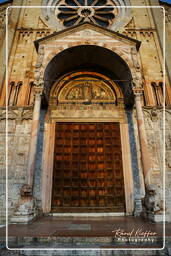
[88,173]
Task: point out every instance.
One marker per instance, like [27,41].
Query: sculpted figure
[152,202]
[149,200]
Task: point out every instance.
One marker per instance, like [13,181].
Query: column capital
[138,91]
[39,83]
[38,91]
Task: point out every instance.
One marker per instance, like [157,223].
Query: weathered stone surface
[17,158]
[25,65]
[24,212]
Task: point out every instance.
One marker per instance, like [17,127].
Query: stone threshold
[87,214]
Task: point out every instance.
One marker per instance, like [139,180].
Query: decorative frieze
[19,114]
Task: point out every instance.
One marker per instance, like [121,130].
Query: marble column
[25,210]
[145,157]
[34,137]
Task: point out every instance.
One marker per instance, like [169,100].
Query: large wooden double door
[88,174]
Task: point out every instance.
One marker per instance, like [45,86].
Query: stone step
[81,242]
[92,247]
[84,253]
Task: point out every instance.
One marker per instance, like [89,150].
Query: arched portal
[90,58]
[86,140]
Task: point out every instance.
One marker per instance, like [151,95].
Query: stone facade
[18,142]
[34,41]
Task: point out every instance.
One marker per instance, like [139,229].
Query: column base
[25,211]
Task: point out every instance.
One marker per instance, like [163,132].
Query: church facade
[84,98]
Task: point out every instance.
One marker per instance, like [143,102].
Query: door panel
[88,173]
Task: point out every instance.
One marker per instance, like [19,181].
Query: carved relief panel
[87,91]
[78,93]
[82,87]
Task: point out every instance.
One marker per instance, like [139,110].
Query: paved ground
[110,226]
[103,232]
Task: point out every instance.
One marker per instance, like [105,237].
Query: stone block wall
[17,152]
[18,146]
[168,164]
[157,125]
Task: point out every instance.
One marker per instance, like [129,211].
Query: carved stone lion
[153,203]
[26,190]
[149,200]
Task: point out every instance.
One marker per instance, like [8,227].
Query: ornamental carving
[19,114]
[87,91]
[151,114]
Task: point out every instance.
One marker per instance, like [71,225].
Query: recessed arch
[102,89]
[90,58]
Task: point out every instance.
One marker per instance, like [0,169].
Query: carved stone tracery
[76,12]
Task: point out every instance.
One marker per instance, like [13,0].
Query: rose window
[73,12]
[106,13]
